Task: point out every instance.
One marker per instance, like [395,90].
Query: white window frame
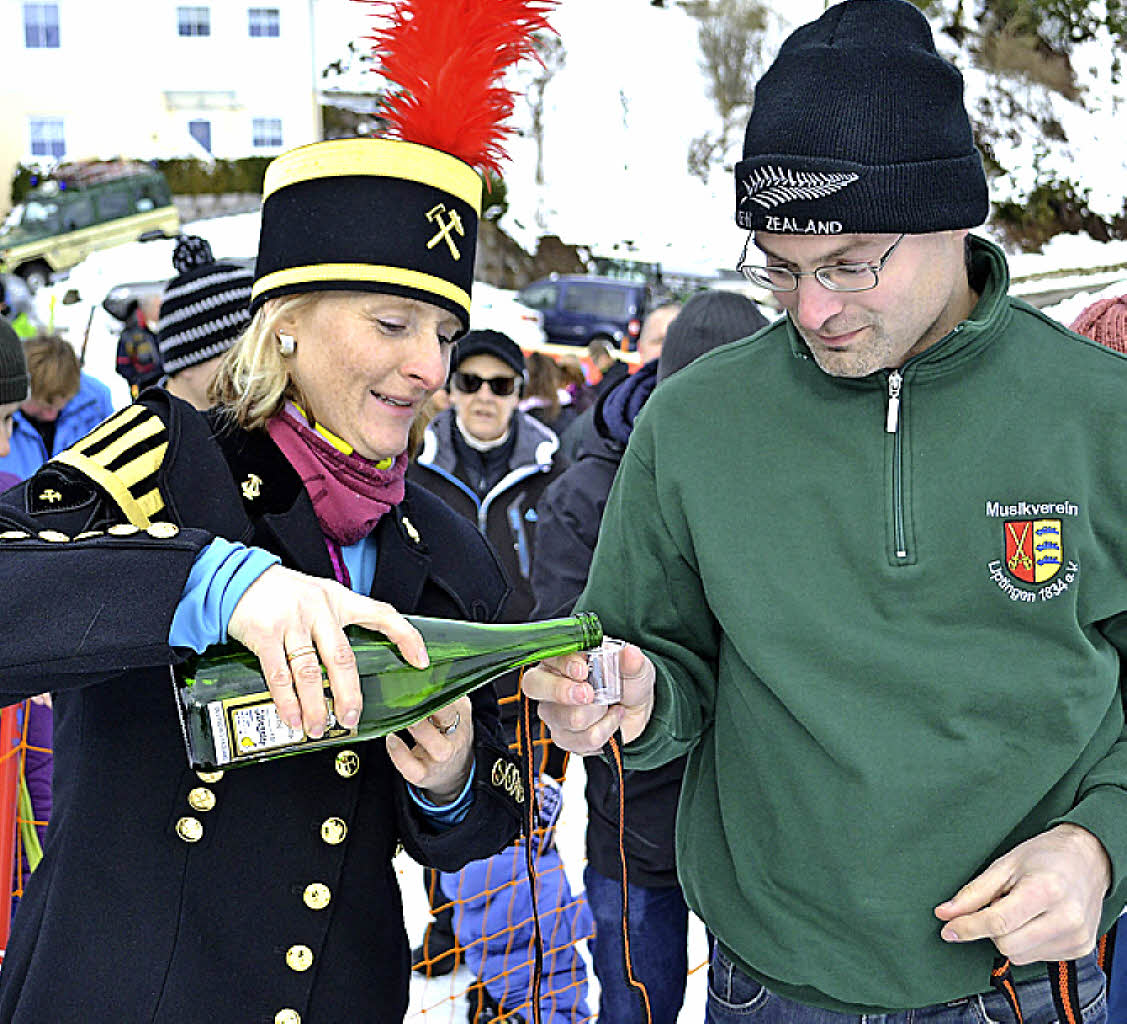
[266,133]
[196,18]
[37,34]
[45,131]
[264,22]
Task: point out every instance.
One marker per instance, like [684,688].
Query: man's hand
[560,685]
[1041,901]
[293,622]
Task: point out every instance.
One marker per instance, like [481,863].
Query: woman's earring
[286,344]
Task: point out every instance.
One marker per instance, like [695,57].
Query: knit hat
[491,343]
[1105,321]
[859,127]
[707,320]
[14,380]
[204,309]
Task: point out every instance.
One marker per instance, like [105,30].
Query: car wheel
[36,276]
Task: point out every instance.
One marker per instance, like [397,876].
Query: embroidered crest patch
[1033,549]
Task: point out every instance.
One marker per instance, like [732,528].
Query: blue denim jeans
[659,923]
[734,998]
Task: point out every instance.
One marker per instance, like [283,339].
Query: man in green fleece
[872,565]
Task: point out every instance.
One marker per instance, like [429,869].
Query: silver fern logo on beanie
[859,127]
[772,186]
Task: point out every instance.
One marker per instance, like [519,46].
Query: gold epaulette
[122,456]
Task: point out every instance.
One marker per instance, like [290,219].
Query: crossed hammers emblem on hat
[452,223]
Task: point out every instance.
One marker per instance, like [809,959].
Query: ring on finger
[301,652]
[446,730]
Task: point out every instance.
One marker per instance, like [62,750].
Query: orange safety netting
[16,821]
[547,759]
[515,939]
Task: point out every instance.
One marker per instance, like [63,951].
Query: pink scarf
[349,492]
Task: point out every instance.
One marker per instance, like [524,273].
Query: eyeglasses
[839,277]
[470,384]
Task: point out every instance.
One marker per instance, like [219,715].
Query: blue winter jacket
[79,416]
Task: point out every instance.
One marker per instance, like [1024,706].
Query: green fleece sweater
[892,655]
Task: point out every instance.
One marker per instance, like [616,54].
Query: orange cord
[616,752]
[529,856]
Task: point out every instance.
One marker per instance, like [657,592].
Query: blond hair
[53,368]
[253,381]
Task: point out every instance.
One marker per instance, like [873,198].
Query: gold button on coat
[333,830]
[347,763]
[299,958]
[201,799]
[54,536]
[317,896]
[287,1016]
[123,530]
[209,777]
[190,829]
[162,531]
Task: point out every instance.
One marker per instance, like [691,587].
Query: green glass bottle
[229,718]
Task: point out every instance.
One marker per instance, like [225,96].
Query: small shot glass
[603,672]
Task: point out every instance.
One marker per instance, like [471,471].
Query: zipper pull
[892,420]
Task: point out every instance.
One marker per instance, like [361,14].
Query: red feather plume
[448,58]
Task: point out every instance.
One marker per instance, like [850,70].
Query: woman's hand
[439,763]
[293,623]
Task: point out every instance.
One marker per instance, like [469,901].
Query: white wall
[118,62]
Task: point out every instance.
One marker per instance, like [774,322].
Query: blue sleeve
[448,815]
[220,576]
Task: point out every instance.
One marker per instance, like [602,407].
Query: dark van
[578,308]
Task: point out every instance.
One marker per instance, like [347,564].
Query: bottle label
[249,726]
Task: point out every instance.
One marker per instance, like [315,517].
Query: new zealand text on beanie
[204,309]
[859,127]
[400,215]
[14,380]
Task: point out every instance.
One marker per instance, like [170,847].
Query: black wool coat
[260,895]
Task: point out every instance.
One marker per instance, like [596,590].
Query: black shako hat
[379,215]
[859,127]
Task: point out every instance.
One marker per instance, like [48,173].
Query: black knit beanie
[859,127]
[706,321]
[14,381]
[204,309]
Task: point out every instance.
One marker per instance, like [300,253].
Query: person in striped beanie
[203,310]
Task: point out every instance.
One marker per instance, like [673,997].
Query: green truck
[79,209]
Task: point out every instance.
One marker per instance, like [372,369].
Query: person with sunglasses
[488,460]
[872,567]
[492,463]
